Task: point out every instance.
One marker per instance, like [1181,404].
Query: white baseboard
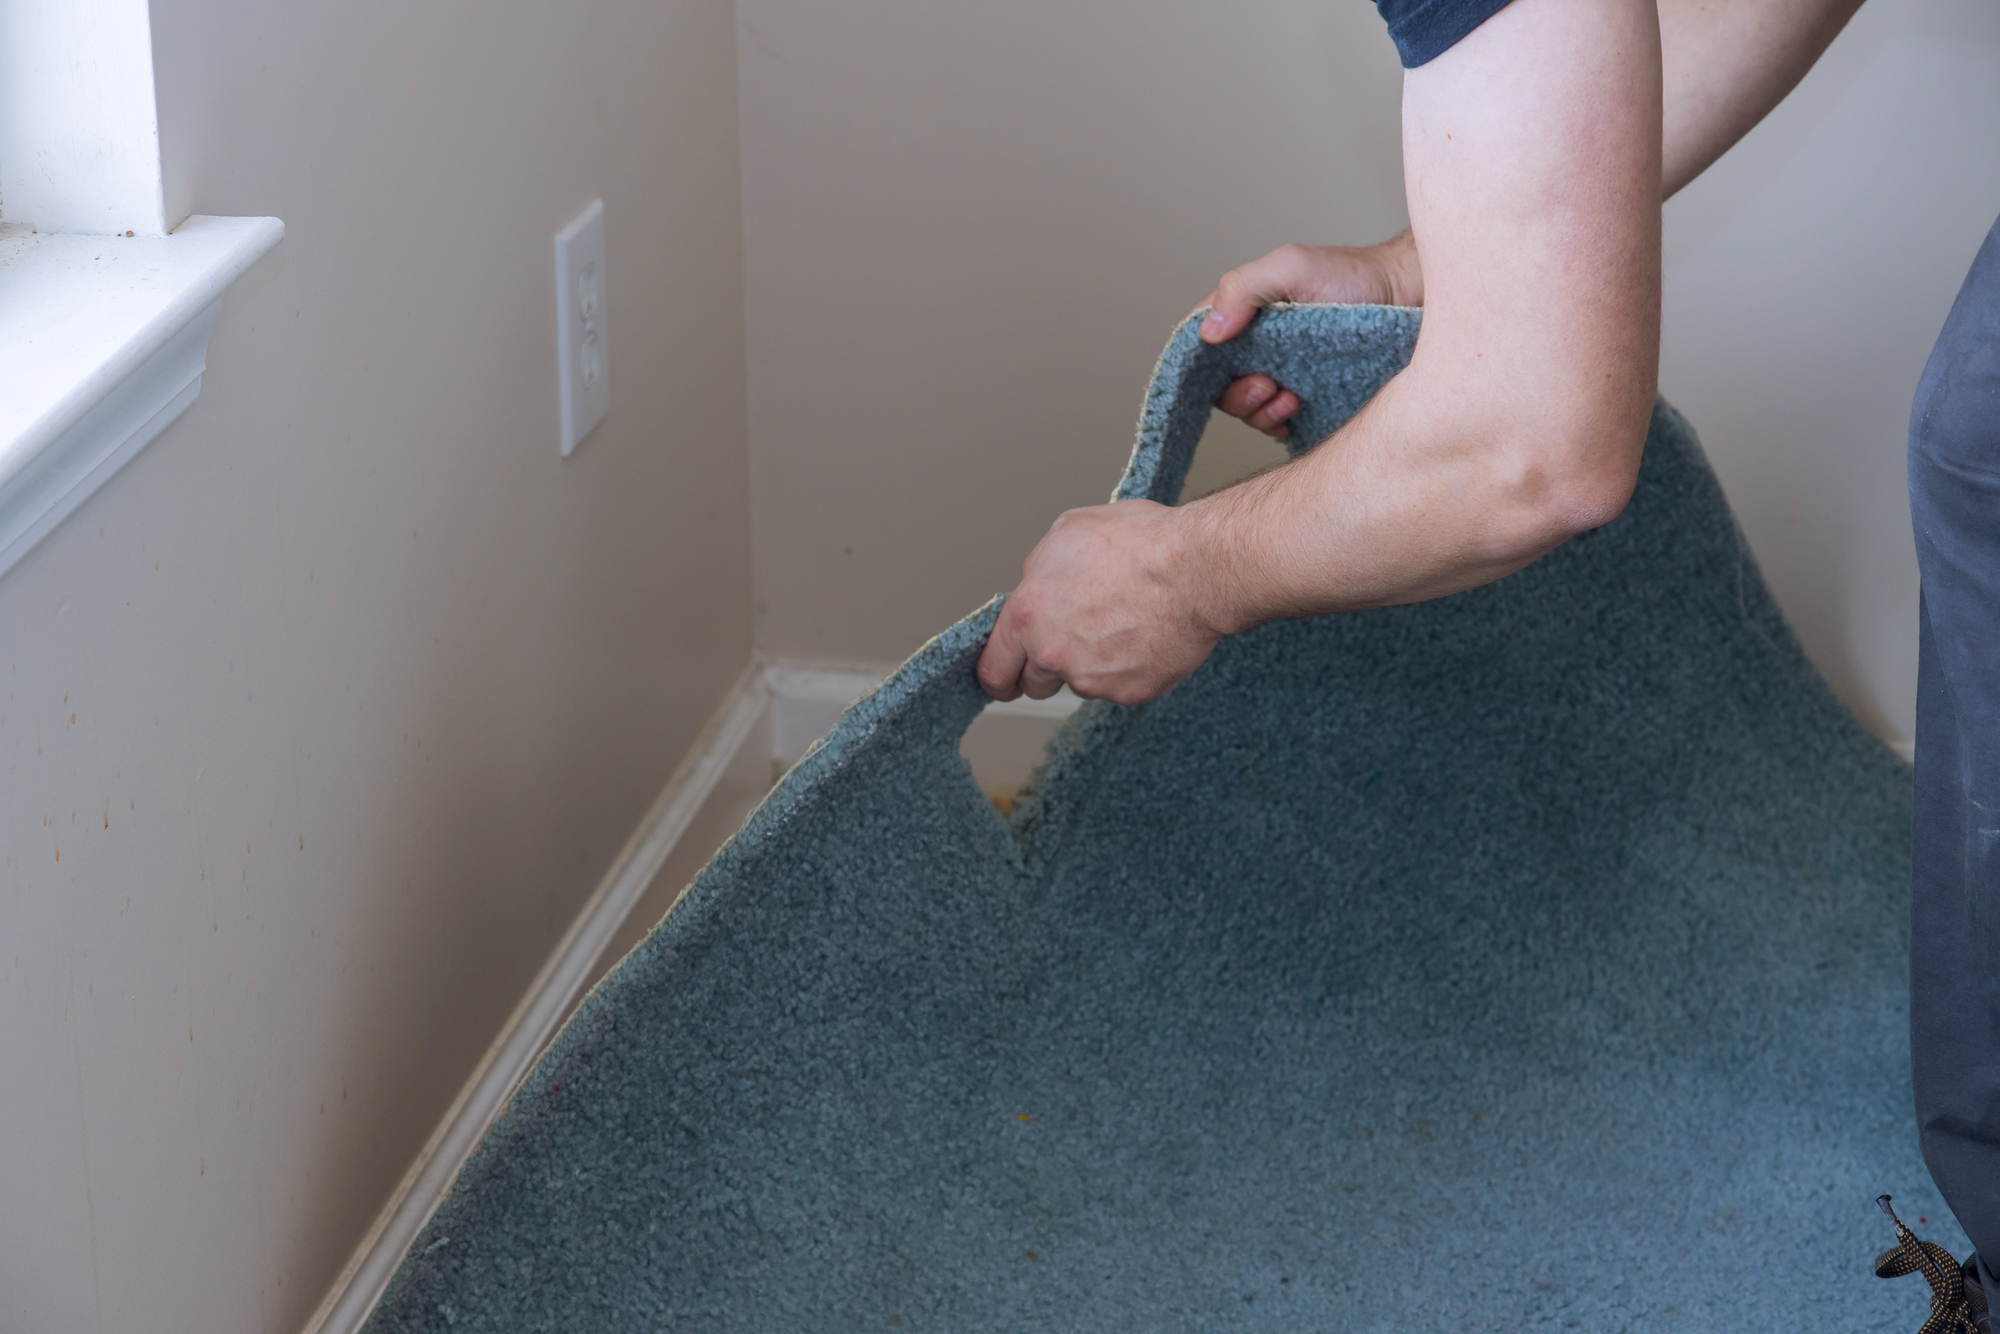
[780,704]
[1003,746]
[539,1013]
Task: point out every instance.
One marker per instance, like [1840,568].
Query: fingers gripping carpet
[1532,959]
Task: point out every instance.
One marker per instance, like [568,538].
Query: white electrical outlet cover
[580,343]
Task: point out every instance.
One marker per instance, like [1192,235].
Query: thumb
[1245,290]
[1001,661]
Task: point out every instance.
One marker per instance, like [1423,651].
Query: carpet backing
[1530,959]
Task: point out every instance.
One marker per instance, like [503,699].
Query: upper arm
[1532,159]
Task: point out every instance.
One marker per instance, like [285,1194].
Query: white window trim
[103,341]
[104,314]
[79,125]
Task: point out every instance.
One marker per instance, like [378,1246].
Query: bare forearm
[1424,494]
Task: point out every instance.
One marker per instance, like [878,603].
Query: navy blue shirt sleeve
[1425,29]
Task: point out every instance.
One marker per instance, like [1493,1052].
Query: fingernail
[1256,396]
[1211,325]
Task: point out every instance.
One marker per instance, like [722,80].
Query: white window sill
[103,340]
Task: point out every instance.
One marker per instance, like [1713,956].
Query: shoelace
[1950,1313]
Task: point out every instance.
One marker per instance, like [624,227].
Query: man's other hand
[1112,601]
[1383,275]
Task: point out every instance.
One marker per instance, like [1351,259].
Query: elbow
[1594,495]
[1564,479]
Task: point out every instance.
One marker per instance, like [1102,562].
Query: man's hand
[1382,275]
[1111,601]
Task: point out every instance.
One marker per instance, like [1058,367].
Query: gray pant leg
[1955,907]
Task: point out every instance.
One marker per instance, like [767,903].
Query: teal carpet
[1527,960]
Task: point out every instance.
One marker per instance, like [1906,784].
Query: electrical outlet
[580,342]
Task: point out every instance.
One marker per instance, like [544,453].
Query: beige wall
[968,228]
[338,701]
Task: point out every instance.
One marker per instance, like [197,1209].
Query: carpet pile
[1531,959]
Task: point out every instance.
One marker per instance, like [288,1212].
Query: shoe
[1975,1295]
[1958,1299]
